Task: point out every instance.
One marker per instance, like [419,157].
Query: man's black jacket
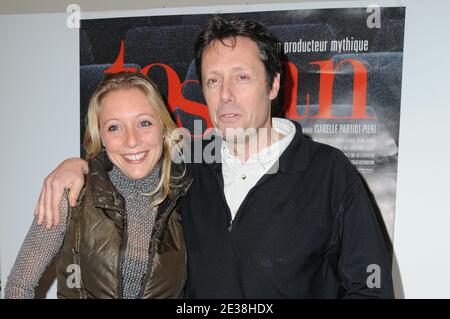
[308,231]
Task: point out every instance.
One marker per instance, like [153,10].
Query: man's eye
[113,128]
[243,77]
[145,123]
[212,82]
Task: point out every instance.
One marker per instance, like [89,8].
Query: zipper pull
[230,227]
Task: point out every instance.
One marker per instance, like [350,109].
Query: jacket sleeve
[364,263]
[38,250]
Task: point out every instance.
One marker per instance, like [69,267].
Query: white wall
[422,235]
[39,101]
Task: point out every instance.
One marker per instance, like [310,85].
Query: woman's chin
[136,173]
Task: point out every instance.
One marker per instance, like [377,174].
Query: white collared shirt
[239,178]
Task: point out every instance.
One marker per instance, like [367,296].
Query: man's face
[235,85]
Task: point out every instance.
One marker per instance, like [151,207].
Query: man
[280,216]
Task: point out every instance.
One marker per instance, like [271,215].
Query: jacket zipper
[219,178]
[82,291]
[230,226]
[180,290]
[153,248]
[234,221]
[121,250]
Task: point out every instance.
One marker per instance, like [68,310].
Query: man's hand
[69,174]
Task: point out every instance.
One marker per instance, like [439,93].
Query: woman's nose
[132,138]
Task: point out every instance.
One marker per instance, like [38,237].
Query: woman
[124,238]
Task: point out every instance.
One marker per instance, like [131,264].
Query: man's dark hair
[219,28]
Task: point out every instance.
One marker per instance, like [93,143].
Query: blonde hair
[129,80]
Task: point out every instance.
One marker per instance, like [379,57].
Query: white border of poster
[241,8]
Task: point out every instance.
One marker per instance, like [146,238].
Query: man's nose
[226,93]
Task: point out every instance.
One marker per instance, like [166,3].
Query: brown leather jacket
[96,235]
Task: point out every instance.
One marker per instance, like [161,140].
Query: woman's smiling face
[131,132]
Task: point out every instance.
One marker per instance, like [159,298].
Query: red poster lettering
[175,97]
[327,74]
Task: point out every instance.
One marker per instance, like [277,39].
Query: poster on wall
[341,82]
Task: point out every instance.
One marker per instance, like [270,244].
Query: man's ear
[275,87]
